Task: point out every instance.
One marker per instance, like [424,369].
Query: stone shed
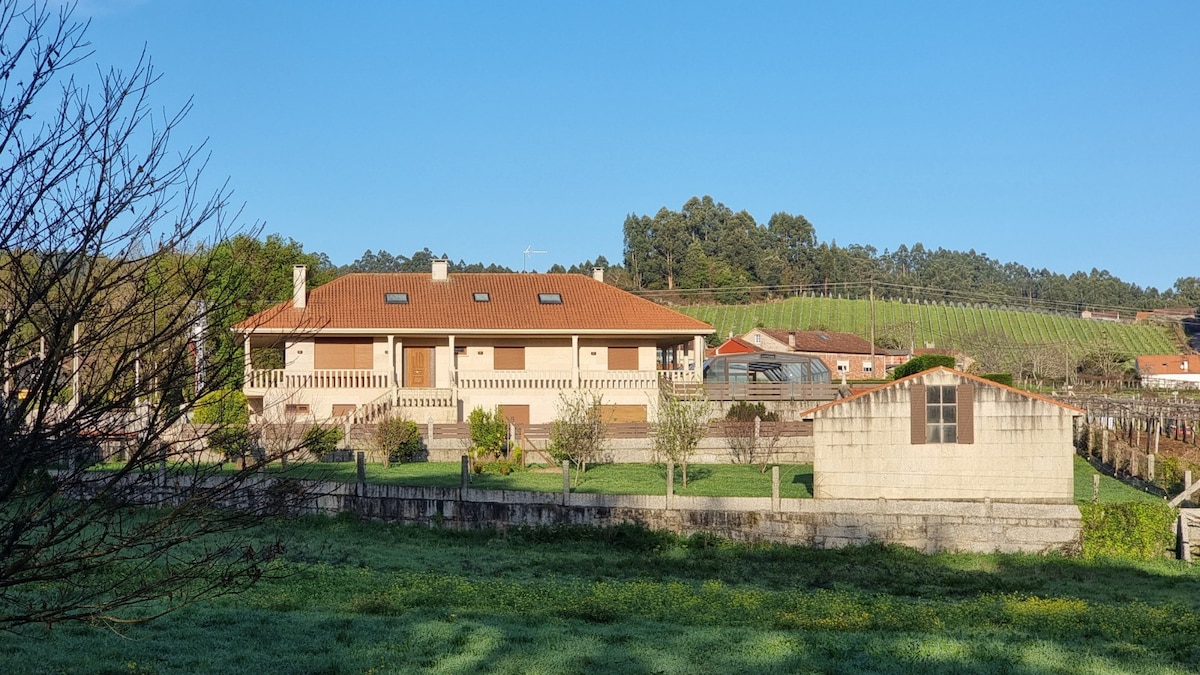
[944,435]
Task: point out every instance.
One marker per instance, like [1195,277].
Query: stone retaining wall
[928,526]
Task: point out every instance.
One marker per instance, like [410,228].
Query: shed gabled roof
[966,376]
[357,301]
[820,341]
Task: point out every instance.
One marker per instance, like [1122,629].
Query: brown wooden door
[418,370]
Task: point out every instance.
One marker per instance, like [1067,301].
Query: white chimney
[1184,365]
[441,270]
[792,339]
[598,274]
[299,286]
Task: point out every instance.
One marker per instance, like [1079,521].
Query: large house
[1169,371]
[844,354]
[437,345]
[944,434]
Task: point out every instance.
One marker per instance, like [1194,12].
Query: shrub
[745,411]
[399,438]
[921,363]
[489,437]
[321,440]
[228,411]
[1000,378]
[1128,530]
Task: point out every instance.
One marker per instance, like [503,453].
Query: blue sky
[1061,135]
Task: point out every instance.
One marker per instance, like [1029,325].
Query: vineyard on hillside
[946,326]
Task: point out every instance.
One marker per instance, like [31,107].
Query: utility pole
[872,304]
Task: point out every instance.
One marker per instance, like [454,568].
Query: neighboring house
[1169,371]
[438,345]
[944,434]
[734,345]
[845,354]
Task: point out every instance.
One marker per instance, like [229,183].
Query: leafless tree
[578,431]
[678,429]
[105,288]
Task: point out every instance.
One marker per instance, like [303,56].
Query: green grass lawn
[360,597]
[707,480]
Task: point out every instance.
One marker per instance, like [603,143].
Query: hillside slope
[946,325]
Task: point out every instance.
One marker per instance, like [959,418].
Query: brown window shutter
[343,353]
[917,413]
[364,355]
[965,400]
[622,358]
[508,358]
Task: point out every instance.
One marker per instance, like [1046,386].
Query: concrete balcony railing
[558,379]
[318,379]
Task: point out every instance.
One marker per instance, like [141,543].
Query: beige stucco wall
[1022,451]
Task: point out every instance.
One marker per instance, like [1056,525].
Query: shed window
[941,414]
[550,298]
[396,298]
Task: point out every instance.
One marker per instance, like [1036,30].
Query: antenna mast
[528,252]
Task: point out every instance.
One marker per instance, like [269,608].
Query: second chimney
[792,339]
[598,274]
[441,270]
[299,286]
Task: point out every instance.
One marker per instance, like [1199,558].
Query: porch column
[247,362]
[698,357]
[575,360]
[397,367]
[391,343]
[453,364]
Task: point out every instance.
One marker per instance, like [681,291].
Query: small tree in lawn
[489,432]
[577,433]
[743,433]
[399,439]
[680,425]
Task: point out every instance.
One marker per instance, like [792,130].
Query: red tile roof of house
[1169,364]
[356,301]
[735,345]
[821,342]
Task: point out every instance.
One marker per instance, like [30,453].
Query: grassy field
[358,597]
[942,325]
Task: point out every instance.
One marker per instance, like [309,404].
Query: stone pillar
[775,488]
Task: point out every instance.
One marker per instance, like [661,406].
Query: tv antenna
[528,252]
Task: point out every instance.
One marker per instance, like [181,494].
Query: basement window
[482,297]
[396,298]
[550,298]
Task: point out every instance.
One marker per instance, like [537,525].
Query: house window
[843,366]
[343,353]
[396,298]
[941,414]
[296,409]
[868,366]
[550,298]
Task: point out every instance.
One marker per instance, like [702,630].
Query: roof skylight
[482,297]
[550,298]
[395,298]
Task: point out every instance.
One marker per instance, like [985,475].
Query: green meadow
[361,597]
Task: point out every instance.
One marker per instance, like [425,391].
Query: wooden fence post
[465,475]
[566,468]
[361,459]
[670,483]
[775,488]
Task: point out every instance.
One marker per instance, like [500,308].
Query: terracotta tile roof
[965,376]
[736,345]
[1169,364]
[356,301]
[821,342]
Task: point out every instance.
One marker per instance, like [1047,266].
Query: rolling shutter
[622,358]
[508,358]
[343,354]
